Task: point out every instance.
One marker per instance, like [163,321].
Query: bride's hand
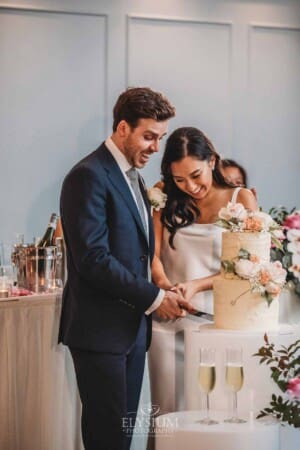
[188,288]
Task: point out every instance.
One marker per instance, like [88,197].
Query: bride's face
[192,176]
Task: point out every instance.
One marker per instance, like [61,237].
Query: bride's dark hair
[181,209]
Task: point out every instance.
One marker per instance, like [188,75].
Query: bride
[187,251]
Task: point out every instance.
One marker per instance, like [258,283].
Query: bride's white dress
[197,254]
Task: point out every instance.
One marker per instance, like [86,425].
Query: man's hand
[173,306]
[169,309]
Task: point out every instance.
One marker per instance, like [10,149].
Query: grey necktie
[134,181]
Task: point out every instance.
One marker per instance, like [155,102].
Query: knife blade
[203,314]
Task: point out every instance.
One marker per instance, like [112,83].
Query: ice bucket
[35,267]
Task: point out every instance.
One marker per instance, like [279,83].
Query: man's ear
[123,128]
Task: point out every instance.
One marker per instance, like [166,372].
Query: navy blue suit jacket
[107,291]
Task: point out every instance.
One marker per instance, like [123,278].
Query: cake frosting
[236,305]
[257,244]
[237,308]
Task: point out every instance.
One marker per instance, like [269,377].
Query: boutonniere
[157,198]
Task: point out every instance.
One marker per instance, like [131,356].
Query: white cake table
[40,407]
[258,386]
[179,431]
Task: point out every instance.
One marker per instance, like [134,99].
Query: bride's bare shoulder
[159,185]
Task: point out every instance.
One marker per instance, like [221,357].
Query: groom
[108,298]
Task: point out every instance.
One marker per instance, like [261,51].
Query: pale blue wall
[232,68]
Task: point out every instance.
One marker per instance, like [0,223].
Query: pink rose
[292,221]
[233,211]
[293,388]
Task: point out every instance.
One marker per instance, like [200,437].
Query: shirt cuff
[156,302]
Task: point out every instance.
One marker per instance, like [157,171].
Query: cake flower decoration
[236,218]
[289,252]
[266,278]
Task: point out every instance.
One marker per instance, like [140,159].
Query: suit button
[143,257]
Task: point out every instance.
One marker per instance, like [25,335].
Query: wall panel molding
[252,26]
[170,21]
[167,18]
[33,9]
[50,10]
[273,100]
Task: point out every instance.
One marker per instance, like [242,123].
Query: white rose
[224,214]
[233,210]
[295,268]
[246,269]
[277,272]
[272,288]
[279,234]
[157,198]
[296,259]
[294,247]
[293,235]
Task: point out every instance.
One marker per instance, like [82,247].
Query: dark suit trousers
[109,387]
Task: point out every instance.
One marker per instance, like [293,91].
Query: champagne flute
[234,378]
[207,379]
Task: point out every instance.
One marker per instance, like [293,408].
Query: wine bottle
[47,239]
[58,233]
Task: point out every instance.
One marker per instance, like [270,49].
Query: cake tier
[255,243]
[237,308]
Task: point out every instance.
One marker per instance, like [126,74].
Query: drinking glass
[234,379]
[207,379]
[54,285]
[6,281]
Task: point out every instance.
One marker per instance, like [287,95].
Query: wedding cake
[247,291]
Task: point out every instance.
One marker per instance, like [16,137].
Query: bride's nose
[191,186]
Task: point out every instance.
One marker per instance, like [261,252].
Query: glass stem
[207,405]
[234,404]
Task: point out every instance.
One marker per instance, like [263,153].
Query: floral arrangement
[235,217]
[266,278]
[157,198]
[285,372]
[289,252]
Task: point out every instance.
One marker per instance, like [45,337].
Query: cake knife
[203,314]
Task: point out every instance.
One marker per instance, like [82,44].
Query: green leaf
[287,260]
[275,241]
[228,266]
[244,254]
[261,414]
[269,298]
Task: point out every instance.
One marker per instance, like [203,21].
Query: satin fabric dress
[197,254]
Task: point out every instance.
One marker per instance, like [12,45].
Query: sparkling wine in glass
[207,379]
[234,379]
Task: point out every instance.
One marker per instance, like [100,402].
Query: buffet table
[39,404]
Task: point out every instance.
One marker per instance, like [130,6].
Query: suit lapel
[117,179]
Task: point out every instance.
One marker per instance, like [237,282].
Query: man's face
[141,142]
